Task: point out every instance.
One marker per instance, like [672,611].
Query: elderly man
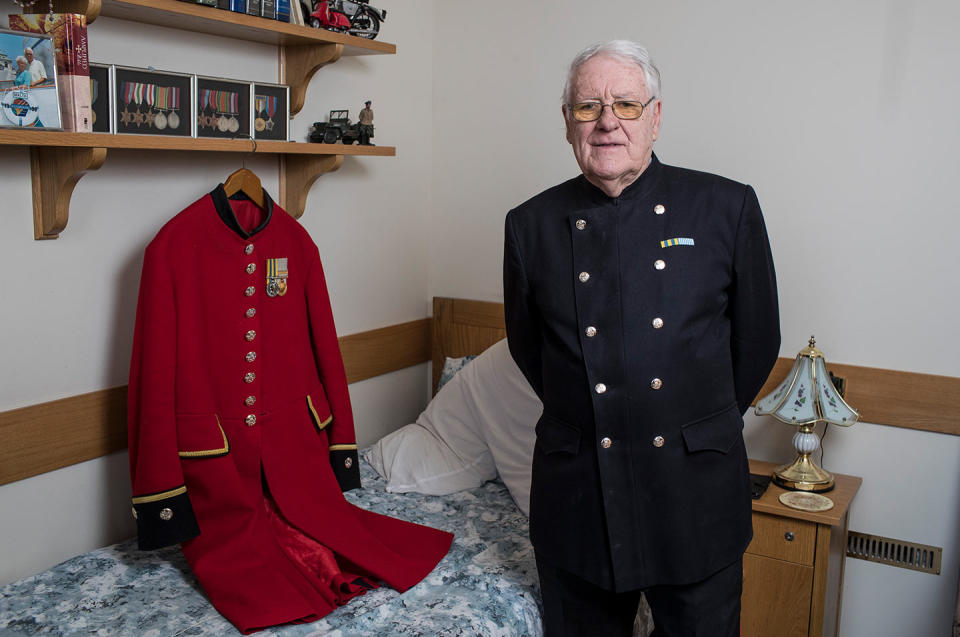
[38,72]
[641,305]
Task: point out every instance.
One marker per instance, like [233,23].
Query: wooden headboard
[56,434]
[462,327]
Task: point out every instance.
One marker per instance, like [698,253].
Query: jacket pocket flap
[555,435]
[716,432]
[320,412]
[201,436]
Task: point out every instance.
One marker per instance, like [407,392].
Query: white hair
[20,59]
[626,50]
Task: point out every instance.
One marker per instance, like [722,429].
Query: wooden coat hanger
[245,180]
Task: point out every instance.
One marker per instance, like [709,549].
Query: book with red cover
[69,31]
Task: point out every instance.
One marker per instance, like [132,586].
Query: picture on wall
[271,111]
[28,82]
[152,102]
[100,98]
[223,108]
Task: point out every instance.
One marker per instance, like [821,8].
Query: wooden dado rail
[48,436]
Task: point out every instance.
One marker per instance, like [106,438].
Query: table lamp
[806,397]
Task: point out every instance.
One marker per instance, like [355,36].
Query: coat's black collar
[222,204]
[639,186]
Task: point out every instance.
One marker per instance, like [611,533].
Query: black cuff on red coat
[164,522]
[346,466]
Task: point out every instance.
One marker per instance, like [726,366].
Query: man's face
[612,152]
[28,55]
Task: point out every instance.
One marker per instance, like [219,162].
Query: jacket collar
[640,186]
[222,204]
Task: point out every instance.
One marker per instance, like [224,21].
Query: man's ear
[656,120]
[566,123]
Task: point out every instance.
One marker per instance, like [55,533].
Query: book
[69,31]
[283,10]
[253,7]
[239,6]
[268,9]
[296,12]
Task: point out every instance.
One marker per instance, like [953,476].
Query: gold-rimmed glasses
[622,109]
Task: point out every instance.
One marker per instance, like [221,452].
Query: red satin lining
[249,215]
[318,563]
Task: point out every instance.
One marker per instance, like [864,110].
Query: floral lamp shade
[807,396]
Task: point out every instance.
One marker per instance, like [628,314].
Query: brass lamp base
[803,474]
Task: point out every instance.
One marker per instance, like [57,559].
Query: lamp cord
[826,425]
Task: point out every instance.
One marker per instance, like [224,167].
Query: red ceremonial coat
[240,426]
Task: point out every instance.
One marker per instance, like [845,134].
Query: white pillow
[479,424]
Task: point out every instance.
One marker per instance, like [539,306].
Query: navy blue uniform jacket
[646,323]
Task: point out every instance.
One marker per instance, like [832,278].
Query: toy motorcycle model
[345,16]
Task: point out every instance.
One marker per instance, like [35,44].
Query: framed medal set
[152,102]
[271,111]
[100,92]
[135,101]
[223,108]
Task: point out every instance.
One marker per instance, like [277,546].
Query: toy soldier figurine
[366,124]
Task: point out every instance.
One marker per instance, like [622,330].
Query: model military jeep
[337,128]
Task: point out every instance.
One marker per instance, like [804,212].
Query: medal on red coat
[277,277]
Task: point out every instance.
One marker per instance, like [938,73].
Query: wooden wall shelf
[204,19]
[58,160]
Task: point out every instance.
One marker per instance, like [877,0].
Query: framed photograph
[271,111]
[223,108]
[100,94]
[28,81]
[149,102]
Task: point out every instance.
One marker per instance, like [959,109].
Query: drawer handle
[788,536]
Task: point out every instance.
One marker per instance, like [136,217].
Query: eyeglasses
[623,109]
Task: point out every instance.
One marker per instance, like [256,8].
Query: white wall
[842,116]
[67,306]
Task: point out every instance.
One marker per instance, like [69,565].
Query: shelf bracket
[90,8]
[298,63]
[297,174]
[54,171]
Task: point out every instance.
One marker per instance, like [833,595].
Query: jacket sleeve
[160,501]
[520,311]
[326,349]
[754,311]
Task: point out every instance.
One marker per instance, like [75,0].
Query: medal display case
[101,92]
[152,102]
[223,108]
[28,81]
[271,112]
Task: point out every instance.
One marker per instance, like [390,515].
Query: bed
[486,585]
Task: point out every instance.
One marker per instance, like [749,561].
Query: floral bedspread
[486,585]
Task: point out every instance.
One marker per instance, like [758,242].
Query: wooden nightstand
[793,568]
